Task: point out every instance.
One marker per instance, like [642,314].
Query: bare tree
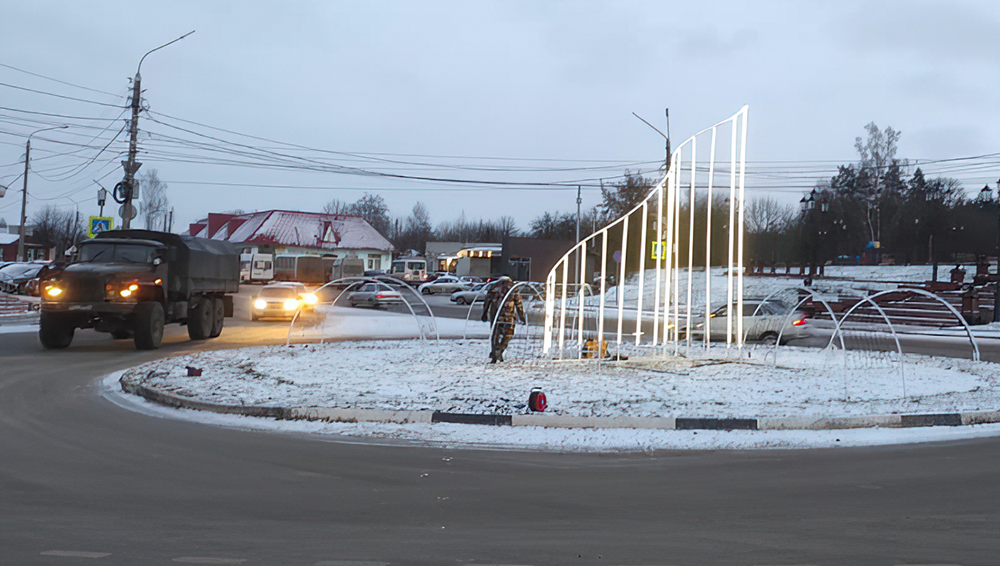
[767,215]
[153,193]
[336,206]
[374,210]
[54,228]
[878,159]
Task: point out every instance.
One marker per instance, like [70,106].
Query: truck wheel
[199,321]
[219,316]
[149,320]
[53,332]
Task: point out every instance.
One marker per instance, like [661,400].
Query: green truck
[130,283]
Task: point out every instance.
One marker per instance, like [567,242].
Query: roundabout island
[442,392]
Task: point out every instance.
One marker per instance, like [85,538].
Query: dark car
[14,278]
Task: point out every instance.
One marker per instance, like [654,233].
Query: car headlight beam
[260,304]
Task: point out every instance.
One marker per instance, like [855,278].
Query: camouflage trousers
[503,331]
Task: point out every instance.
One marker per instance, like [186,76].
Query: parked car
[14,277]
[761,323]
[374,295]
[444,284]
[469,296]
[472,279]
[277,300]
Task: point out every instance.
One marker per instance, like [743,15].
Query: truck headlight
[310,298]
[291,304]
[260,304]
[53,291]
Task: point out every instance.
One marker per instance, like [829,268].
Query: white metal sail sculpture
[669,236]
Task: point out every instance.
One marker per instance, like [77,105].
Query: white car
[277,300]
[446,284]
[761,323]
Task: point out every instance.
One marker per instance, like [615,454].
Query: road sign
[659,250]
[98,224]
[127,211]
[134,168]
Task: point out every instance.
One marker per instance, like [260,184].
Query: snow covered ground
[452,376]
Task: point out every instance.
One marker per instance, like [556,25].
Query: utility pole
[131,166]
[24,192]
[124,190]
[24,202]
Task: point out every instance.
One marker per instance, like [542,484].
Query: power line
[60,95]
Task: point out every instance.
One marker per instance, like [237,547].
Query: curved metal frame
[668,230]
[968,330]
[380,280]
[529,284]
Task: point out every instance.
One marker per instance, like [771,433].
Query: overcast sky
[525,92]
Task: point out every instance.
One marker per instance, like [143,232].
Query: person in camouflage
[503,329]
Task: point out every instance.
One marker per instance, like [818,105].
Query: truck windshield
[116,253]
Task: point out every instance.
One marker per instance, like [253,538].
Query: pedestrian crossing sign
[98,224]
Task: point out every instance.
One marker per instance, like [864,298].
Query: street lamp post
[125,187]
[21,254]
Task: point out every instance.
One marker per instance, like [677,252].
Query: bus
[410,269]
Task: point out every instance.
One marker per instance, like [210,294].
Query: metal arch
[534,286]
[405,285]
[529,284]
[781,330]
[958,315]
[378,280]
[811,293]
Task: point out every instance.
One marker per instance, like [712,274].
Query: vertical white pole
[550,303]
[732,237]
[677,263]
[743,170]
[562,306]
[668,249]
[642,271]
[604,288]
[582,296]
[658,245]
[708,243]
[621,280]
[691,203]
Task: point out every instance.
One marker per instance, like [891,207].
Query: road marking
[75,554]
[208,560]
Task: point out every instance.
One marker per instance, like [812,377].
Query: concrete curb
[561,421]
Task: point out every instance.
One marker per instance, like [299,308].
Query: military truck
[129,283]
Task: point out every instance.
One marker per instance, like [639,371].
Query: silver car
[762,322]
[374,295]
[475,294]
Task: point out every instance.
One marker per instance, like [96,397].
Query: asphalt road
[85,481]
